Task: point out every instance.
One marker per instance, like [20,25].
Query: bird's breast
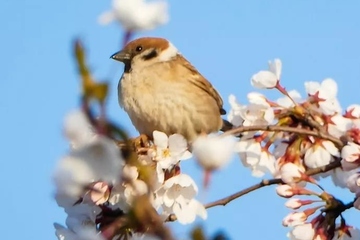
[156,103]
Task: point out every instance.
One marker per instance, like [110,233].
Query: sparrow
[161,90]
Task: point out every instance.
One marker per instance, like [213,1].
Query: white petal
[99,160]
[188,192]
[353,110]
[168,199]
[185,155]
[286,102]
[290,173]
[184,216]
[269,116]
[177,145]
[329,86]
[311,87]
[130,172]
[257,98]
[275,67]
[137,15]
[302,232]
[330,147]
[264,79]
[198,208]
[78,129]
[181,179]
[160,139]
[213,151]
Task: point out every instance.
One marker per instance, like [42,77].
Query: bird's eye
[139,48]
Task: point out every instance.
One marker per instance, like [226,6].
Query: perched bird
[161,90]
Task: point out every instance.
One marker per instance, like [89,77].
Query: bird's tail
[228,126]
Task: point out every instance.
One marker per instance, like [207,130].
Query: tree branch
[269,182]
[275,128]
[245,191]
[263,183]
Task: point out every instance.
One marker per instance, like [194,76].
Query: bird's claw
[141,142]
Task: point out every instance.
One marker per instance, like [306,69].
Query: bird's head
[143,52]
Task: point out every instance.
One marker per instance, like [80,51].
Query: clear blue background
[227,41]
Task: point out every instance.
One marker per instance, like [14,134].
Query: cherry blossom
[257,112]
[295,203]
[324,94]
[99,160]
[353,182]
[123,195]
[257,159]
[85,233]
[291,173]
[285,190]
[294,218]
[78,129]
[257,98]
[234,115]
[292,139]
[177,194]
[170,150]
[353,114]
[351,156]
[302,232]
[337,125]
[80,223]
[82,214]
[99,193]
[286,102]
[137,15]
[340,176]
[270,78]
[353,111]
[213,151]
[320,154]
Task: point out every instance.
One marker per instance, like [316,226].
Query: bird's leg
[141,142]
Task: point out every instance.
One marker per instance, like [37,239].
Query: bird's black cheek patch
[150,55]
[127,67]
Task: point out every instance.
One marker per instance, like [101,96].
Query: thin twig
[269,182]
[275,128]
[263,183]
[247,190]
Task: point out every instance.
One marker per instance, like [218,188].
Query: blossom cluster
[292,138]
[296,140]
[94,180]
[136,15]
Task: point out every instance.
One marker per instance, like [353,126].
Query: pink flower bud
[285,191]
[290,173]
[99,192]
[296,203]
[293,203]
[294,218]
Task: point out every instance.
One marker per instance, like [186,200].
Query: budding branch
[275,128]
[264,183]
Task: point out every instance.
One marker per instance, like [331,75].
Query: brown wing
[201,82]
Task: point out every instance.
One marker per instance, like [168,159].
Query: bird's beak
[121,56]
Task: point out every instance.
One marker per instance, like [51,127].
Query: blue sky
[227,41]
